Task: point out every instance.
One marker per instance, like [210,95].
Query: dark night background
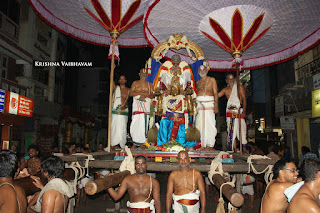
[131,61]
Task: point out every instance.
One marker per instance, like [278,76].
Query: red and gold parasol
[92,20]
[269,32]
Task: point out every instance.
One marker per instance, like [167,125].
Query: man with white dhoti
[144,191]
[142,92]
[185,188]
[247,188]
[232,116]
[207,106]
[120,114]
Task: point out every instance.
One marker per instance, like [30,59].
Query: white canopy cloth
[275,31]
[287,28]
[73,17]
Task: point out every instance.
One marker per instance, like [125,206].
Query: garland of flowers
[184,40]
[186,117]
[164,52]
[151,121]
[183,43]
[197,117]
[148,65]
[152,111]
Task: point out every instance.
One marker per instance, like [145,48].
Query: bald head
[143,70]
[203,71]
[230,79]
[183,159]
[202,67]
[143,74]
[183,152]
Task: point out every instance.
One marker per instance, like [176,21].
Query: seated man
[101,148]
[31,166]
[144,191]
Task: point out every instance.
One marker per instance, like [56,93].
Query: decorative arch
[178,41]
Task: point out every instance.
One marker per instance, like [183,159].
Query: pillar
[68,132]
[5,134]
[86,135]
[52,70]
[303,133]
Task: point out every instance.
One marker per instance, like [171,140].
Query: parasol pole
[114,35]
[236,55]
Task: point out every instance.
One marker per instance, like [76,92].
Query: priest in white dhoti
[207,106]
[232,116]
[120,114]
[185,188]
[142,92]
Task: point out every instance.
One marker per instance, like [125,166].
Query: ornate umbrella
[97,22]
[269,32]
[274,31]
[92,20]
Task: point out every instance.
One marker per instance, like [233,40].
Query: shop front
[14,108]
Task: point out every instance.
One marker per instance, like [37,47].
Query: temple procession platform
[161,161]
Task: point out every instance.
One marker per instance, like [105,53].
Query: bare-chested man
[274,200]
[100,148]
[185,187]
[120,113]
[233,106]
[207,106]
[144,191]
[54,196]
[307,198]
[141,91]
[31,166]
[12,197]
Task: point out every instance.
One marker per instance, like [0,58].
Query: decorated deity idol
[174,71]
[174,116]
